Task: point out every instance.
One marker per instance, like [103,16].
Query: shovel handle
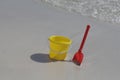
[84,38]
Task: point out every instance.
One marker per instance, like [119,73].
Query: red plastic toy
[78,57]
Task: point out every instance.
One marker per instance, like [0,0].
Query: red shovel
[78,57]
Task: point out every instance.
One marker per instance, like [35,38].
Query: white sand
[24,30]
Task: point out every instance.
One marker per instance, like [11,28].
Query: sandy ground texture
[25,26]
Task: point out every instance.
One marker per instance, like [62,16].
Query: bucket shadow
[41,57]
[44,58]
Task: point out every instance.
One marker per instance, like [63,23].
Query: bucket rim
[63,43]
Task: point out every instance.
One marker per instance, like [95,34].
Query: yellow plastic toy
[59,46]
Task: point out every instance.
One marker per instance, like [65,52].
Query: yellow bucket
[59,46]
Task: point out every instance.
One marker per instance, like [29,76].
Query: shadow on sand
[43,58]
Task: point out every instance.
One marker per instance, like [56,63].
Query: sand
[25,26]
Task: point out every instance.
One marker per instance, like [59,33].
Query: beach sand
[25,26]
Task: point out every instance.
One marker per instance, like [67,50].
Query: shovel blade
[78,58]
